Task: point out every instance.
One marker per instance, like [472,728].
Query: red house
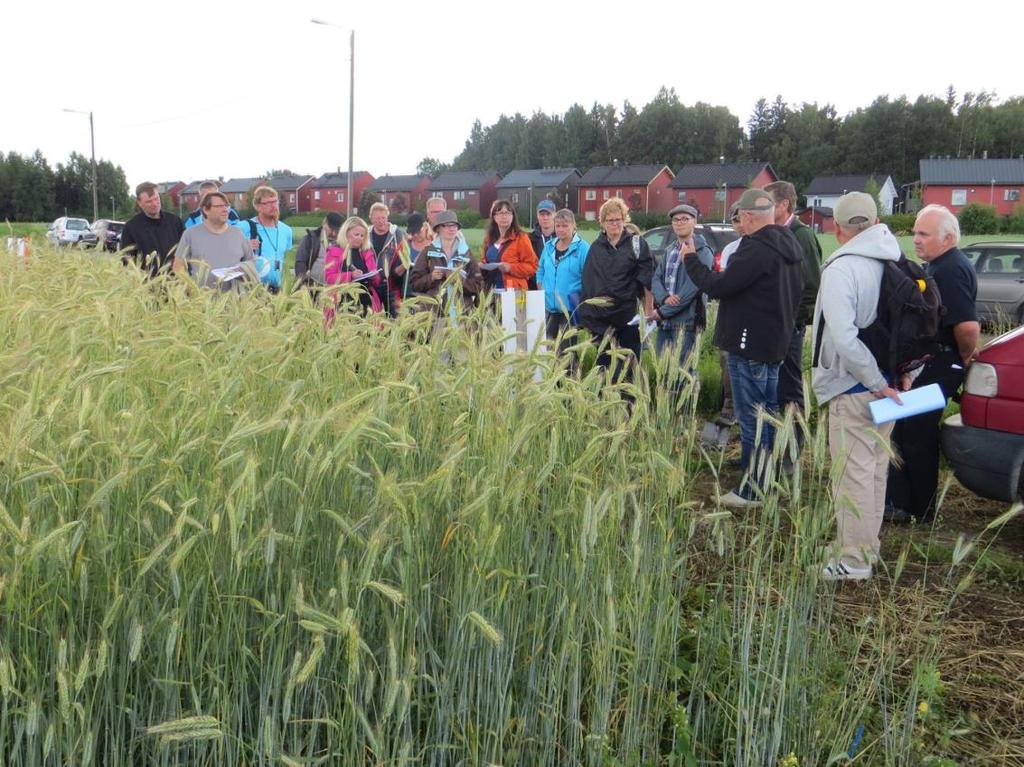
[294,192]
[173,191]
[956,183]
[713,187]
[467,189]
[645,188]
[188,197]
[819,218]
[402,194]
[330,189]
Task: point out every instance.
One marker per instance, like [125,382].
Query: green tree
[430,166]
[26,188]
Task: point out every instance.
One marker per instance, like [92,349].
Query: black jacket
[619,273]
[308,253]
[149,241]
[759,294]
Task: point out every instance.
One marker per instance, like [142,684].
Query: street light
[92,141]
[351,100]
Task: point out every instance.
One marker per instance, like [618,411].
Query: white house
[825,191]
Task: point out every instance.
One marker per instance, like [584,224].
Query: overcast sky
[189,90]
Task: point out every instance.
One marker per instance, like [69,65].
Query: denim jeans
[678,337]
[754,388]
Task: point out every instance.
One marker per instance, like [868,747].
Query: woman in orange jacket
[509,259]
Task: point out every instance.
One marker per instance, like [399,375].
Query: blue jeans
[754,388]
[669,337]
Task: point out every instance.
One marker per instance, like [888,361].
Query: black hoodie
[759,291]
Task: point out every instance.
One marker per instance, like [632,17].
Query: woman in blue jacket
[678,300]
[560,273]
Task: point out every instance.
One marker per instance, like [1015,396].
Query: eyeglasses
[275,201]
[681,219]
[613,220]
[503,213]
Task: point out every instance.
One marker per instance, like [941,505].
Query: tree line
[30,190]
[800,141]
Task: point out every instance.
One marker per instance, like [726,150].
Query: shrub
[978,219]
[1014,223]
[899,223]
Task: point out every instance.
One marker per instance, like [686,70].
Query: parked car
[71,231]
[717,237]
[109,233]
[984,442]
[1000,270]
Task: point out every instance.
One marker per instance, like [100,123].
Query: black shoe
[896,516]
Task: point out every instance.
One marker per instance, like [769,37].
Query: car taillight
[982,380]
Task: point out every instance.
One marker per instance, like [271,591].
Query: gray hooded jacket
[850,281]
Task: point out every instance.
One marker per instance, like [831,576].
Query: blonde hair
[351,222]
[379,206]
[263,191]
[566,215]
[614,205]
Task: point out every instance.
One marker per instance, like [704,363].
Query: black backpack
[903,336]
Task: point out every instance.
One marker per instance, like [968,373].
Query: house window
[959,197]
[515,197]
[681,196]
[591,195]
[604,195]
[341,197]
[719,195]
[636,191]
[618,193]
[591,216]
[316,195]
[291,197]
[1011,195]
[458,196]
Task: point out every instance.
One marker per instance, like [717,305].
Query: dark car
[1000,270]
[984,442]
[109,233]
[717,237]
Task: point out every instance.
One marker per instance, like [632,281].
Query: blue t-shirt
[275,241]
[493,256]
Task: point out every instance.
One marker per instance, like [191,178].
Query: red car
[984,443]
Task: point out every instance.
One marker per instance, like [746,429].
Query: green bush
[978,219]
[899,223]
[307,219]
[645,221]
[1014,223]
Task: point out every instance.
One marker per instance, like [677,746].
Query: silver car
[1000,270]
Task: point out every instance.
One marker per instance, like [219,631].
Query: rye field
[230,536]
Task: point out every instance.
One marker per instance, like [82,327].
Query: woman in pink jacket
[355,262]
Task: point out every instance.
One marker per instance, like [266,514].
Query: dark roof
[337,179]
[463,179]
[542,177]
[843,184]
[711,175]
[288,183]
[239,185]
[626,175]
[397,183]
[980,172]
[192,188]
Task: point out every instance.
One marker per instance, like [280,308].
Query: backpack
[902,336]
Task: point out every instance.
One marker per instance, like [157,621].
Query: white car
[71,231]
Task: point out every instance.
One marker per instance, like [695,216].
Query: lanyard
[276,239]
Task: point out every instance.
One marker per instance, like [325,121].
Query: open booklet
[650,327]
[366,276]
[228,273]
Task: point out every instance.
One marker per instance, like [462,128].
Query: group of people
[771,285]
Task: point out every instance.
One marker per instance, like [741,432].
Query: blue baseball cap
[547,205]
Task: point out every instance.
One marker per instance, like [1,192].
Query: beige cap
[755,199]
[855,208]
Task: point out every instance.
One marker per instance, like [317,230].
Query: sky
[191,90]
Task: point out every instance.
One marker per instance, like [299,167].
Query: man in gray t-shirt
[214,245]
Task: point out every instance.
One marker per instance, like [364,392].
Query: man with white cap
[845,376]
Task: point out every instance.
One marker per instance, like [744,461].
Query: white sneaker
[838,570]
[737,501]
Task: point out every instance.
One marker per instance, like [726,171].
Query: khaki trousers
[860,466]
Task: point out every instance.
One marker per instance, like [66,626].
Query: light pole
[351,101]
[992,194]
[92,142]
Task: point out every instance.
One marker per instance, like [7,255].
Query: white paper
[916,401]
[635,321]
[366,275]
[489,267]
[228,273]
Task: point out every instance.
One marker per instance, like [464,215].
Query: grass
[230,537]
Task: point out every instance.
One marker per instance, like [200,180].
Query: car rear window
[114,227]
[76,223]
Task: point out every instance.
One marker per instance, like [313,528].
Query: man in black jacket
[759,296]
[150,236]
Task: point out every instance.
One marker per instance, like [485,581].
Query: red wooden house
[330,189]
[645,188]
[402,194]
[956,183]
[467,189]
[239,191]
[294,192]
[713,187]
[173,191]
